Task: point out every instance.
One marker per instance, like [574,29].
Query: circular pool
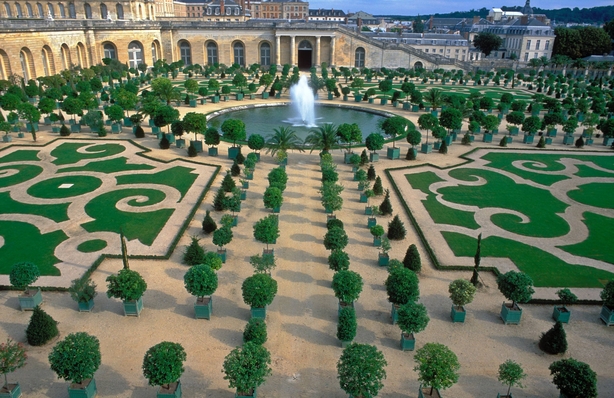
[263,119]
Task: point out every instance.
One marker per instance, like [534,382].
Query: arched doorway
[418,65]
[305,52]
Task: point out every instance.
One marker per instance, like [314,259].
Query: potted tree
[266,230]
[347,286]
[83,292]
[561,313]
[76,359]
[461,293]
[255,331]
[12,357]
[393,126]
[607,309]
[221,237]
[402,288]
[201,281]
[412,318]
[437,368]
[255,142]
[374,142]
[510,374]
[163,366]
[246,368]
[377,231]
[346,327]
[212,138]
[128,286]
[259,290]
[22,275]
[234,130]
[383,258]
[273,199]
[573,378]
[517,287]
[335,239]
[361,370]
[263,264]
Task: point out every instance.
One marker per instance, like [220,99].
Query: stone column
[317,51]
[277,50]
[293,50]
[332,51]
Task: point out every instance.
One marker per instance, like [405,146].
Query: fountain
[303,102]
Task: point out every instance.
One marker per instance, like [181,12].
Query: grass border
[179,234]
[427,246]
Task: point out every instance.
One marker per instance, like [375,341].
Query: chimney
[221,7]
[524,20]
[476,19]
[431,23]
[359,22]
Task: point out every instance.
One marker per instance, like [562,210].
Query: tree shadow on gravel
[311,335]
[488,316]
[225,308]
[293,219]
[294,207]
[158,300]
[294,276]
[295,195]
[176,273]
[304,238]
[229,337]
[520,343]
[301,256]
[117,385]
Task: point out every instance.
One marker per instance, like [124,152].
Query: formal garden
[178,256]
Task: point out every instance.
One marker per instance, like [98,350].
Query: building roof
[326,13]
[361,15]
[599,58]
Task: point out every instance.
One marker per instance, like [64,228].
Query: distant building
[215,11]
[453,46]
[327,15]
[363,18]
[279,9]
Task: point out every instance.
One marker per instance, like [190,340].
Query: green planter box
[377,242]
[408,342]
[170,137]
[193,103]
[222,254]
[505,396]
[406,106]
[548,141]
[8,138]
[607,141]
[242,394]
[240,96]
[607,315]
[458,315]
[245,184]
[393,153]
[345,343]
[116,128]
[509,139]
[86,306]
[510,316]
[552,133]
[30,299]
[198,145]
[568,139]
[426,148]
[374,156]
[133,307]
[346,157]
[180,143]
[415,108]
[363,198]
[423,392]
[212,151]
[265,95]
[215,99]
[75,128]
[528,139]
[155,130]
[437,145]
[243,195]
[173,391]
[561,314]
[278,95]
[448,139]
[345,97]
[383,260]
[29,126]
[203,308]
[203,101]
[371,221]
[277,209]
[357,98]
[127,122]
[514,131]
[368,211]
[258,312]
[394,313]
[87,389]
[13,391]
[383,101]
[55,129]
[233,152]
[395,104]
[487,137]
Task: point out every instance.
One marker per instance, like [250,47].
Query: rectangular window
[526,57]
[537,43]
[528,44]
[547,47]
[536,55]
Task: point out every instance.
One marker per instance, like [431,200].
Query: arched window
[18,9]
[47,57]
[185,52]
[237,11]
[29,10]
[71,10]
[39,8]
[45,62]
[24,65]
[88,11]
[9,12]
[155,50]
[66,62]
[81,56]
[27,64]
[239,53]
[103,11]
[212,53]
[62,10]
[119,9]
[109,51]
[265,54]
[5,66]
[51,10]
[135,54]
[359,59]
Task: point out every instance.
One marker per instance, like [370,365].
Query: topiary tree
[163,364]
[346,327]
[273,198]
[338,260]
[234,130]
[255,142]
[402,286]
[347,286]
[378,189]
[396,229]
[212,260]
[554,341]
[361,369]
[194,252]
[235,170]
[461,292]
[334,222]
[127,285]
[385,207]
[82,290]
[510,374]
[412,318]
[76,358]
[607,295]
[335,239]
[220,200]
[516,286]
[259,290]
[266,230]
[437,366]
[24,274]
[278,178]
[412,259]
[42,328]
[209,224]
[222,237]
[573,378]
[247,367]
[12,357]
[200,281]
[371,175]
[255,331]
[263,264]
[228,183]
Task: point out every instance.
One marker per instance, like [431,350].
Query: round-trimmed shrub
[255,331]
[334,222]
[127,285]
[23,274]
[163,363]
[346,328]
[335,239]
[259,290]
[200,280]
[338,260]
[76,358]
[347,286]
[402,286]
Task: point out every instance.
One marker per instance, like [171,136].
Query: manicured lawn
[179,177]
[91,246]
[594,194]
[25,173]
[22,155]
[598,246]
[55,212]
[108,166]
[68,153]
[58,187]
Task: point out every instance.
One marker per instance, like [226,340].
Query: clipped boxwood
[163,364]
[402,286]
[338,260]
[200,280]
[346,328]
[24,274]
[412,317]
[259,290]
[127,285]
[247,367]
[42,328]
[255,331]
[347,286]
[76,358]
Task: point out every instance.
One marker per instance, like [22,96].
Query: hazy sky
[408,7]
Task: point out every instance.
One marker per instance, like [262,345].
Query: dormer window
[236,11]
[208,11]
[217,11]
[228,11]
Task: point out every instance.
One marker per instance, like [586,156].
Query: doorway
[305,55]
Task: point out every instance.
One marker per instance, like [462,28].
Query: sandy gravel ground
[302,319]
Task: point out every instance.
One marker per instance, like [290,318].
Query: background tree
[487,42]
[361,369]
[247,367]
[510,374]
[234,130]
[418,25]
[349,133]
[516,286]
[437,366]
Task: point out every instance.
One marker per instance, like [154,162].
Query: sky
[409,7]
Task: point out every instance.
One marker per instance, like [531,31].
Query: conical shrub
[412,259]
[554,341]
[378,189]
[209,224]
[386,208]
[228,183]
[194,254]
[396,229]
[42,328]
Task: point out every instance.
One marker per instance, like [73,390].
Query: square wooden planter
[505,396]
[487,137]
[233,152]
[377,242]
[426,148]
[561,314]
[86,306]
[371,222]
[133,307]
[222,254]
[607,315]
[203,308]
[30,299]
[393,153]
[458,315]
[424,392]
[173,391]
[87,389]
[11,391]
[509,315]
[383,260]
[345,343]
[242,394]
[212,151]
[408,342]
[258,312]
